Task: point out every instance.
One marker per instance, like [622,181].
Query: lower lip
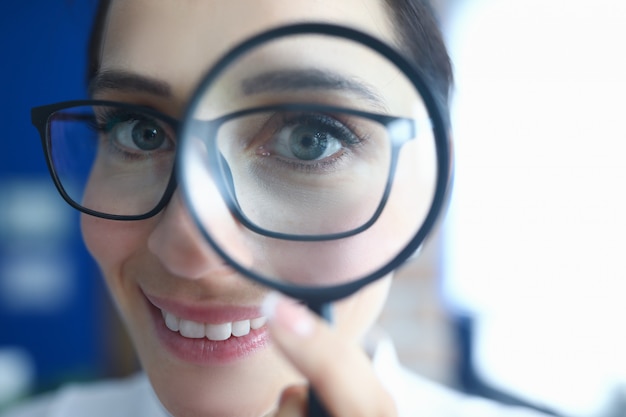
[204,351]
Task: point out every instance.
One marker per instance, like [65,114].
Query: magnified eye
[311,137]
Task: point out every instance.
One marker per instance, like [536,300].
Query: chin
[248,387]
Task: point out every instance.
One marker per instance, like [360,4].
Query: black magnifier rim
[319,295]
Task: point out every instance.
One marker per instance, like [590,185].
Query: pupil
[307,141]
[146,136]
[307,145]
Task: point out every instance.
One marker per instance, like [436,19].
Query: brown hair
[95,39]
[421,41]
[418,37]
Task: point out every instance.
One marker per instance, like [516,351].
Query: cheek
[338,261]
[109,241]
[329,263]
[112,243]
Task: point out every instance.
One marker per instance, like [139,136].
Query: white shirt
[134,397]
[416,396]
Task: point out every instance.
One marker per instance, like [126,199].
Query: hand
[339,372]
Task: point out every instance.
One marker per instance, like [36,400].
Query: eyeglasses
[285,170]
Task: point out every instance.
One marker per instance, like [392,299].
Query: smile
[216,332]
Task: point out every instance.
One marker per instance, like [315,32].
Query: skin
[174,42]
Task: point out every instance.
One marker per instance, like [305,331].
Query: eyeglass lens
[110,159]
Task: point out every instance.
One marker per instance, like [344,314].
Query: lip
[204,351]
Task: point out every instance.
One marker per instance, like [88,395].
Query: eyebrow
[128,81]
[309,79]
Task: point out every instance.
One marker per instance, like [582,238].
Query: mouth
[208,335]
[216,332]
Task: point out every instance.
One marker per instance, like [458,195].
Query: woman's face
[166,282]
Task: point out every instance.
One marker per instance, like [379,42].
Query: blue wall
[50,292]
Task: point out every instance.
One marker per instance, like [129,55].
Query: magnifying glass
[314,159]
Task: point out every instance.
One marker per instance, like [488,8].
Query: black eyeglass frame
[219,168]
[42,115]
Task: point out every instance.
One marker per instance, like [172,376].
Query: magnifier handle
[316,408]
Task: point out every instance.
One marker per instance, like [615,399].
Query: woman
[167,283]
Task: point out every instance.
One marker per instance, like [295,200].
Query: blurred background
[520,297]
[56,323]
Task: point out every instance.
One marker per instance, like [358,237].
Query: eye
[307,143]
[311,138]
[144,135]
[134,133]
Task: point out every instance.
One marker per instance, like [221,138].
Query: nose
[181,247]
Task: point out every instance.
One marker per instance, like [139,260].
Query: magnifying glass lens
[309,159]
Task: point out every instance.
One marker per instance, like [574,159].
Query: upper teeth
[196,330]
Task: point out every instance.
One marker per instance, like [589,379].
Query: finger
[292,402]
[339,371]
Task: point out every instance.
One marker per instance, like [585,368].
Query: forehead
[178,40]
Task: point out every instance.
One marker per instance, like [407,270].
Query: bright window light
[537,229]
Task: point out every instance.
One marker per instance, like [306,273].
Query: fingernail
[287,314]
